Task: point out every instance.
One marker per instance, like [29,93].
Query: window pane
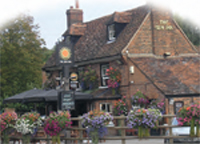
[108,107]
[104,77]
[111,32]
[177,106]
[103,108]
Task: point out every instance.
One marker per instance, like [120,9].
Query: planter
[26,139]
[5,138]
[197,130]
[95,136]
[143,132]
[56,139]
[192,134]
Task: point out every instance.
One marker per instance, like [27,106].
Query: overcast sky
[51,17]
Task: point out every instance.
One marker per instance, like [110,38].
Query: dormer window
[111,32]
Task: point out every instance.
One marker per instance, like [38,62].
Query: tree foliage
[191,29]
[21,57]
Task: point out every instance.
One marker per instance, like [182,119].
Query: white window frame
[111,32]
[106,107]
[104,77]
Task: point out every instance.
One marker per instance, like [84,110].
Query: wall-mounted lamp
[131,69]
[167,54]
[127,51]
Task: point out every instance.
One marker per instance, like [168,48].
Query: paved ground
[157,141]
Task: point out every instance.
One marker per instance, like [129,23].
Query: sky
[50,15]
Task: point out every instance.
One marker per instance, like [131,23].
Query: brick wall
[158,34]
[167,37]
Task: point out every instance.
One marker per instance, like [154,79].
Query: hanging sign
[74,80]
[64,53]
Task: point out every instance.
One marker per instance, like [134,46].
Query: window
[111,32]
[107,107]
[177,106]
[104,77]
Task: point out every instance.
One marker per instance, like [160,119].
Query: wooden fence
[123,137]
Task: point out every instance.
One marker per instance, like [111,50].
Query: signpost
[65,58]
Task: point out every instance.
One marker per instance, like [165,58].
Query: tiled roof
[173,76]
[120,17]
[93,43]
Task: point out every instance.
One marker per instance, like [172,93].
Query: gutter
[183,95]
[100,60]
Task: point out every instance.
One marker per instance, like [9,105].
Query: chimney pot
[77,4]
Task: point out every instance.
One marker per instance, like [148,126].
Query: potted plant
[143,119]
[120,108]
[95,123]
[55,123]
[88,79]
[139,99]
[7,119]
[114,79]
[27,125]
[190,115]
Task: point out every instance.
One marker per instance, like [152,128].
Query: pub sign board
[64,53]
[66,100]
[74,81]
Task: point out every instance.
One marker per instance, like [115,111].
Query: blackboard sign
[67,101]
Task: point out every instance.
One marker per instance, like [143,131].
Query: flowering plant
[88,78]
[114,77]
[56,122]
[190,115]
[27,125]
[95,122]
[157,104]
[120,107]
[143,119]
[6,121]
[139,99]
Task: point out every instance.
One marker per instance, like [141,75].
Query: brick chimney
[74,15]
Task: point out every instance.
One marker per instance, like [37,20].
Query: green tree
[46,54]
[21,57]
[191,29]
